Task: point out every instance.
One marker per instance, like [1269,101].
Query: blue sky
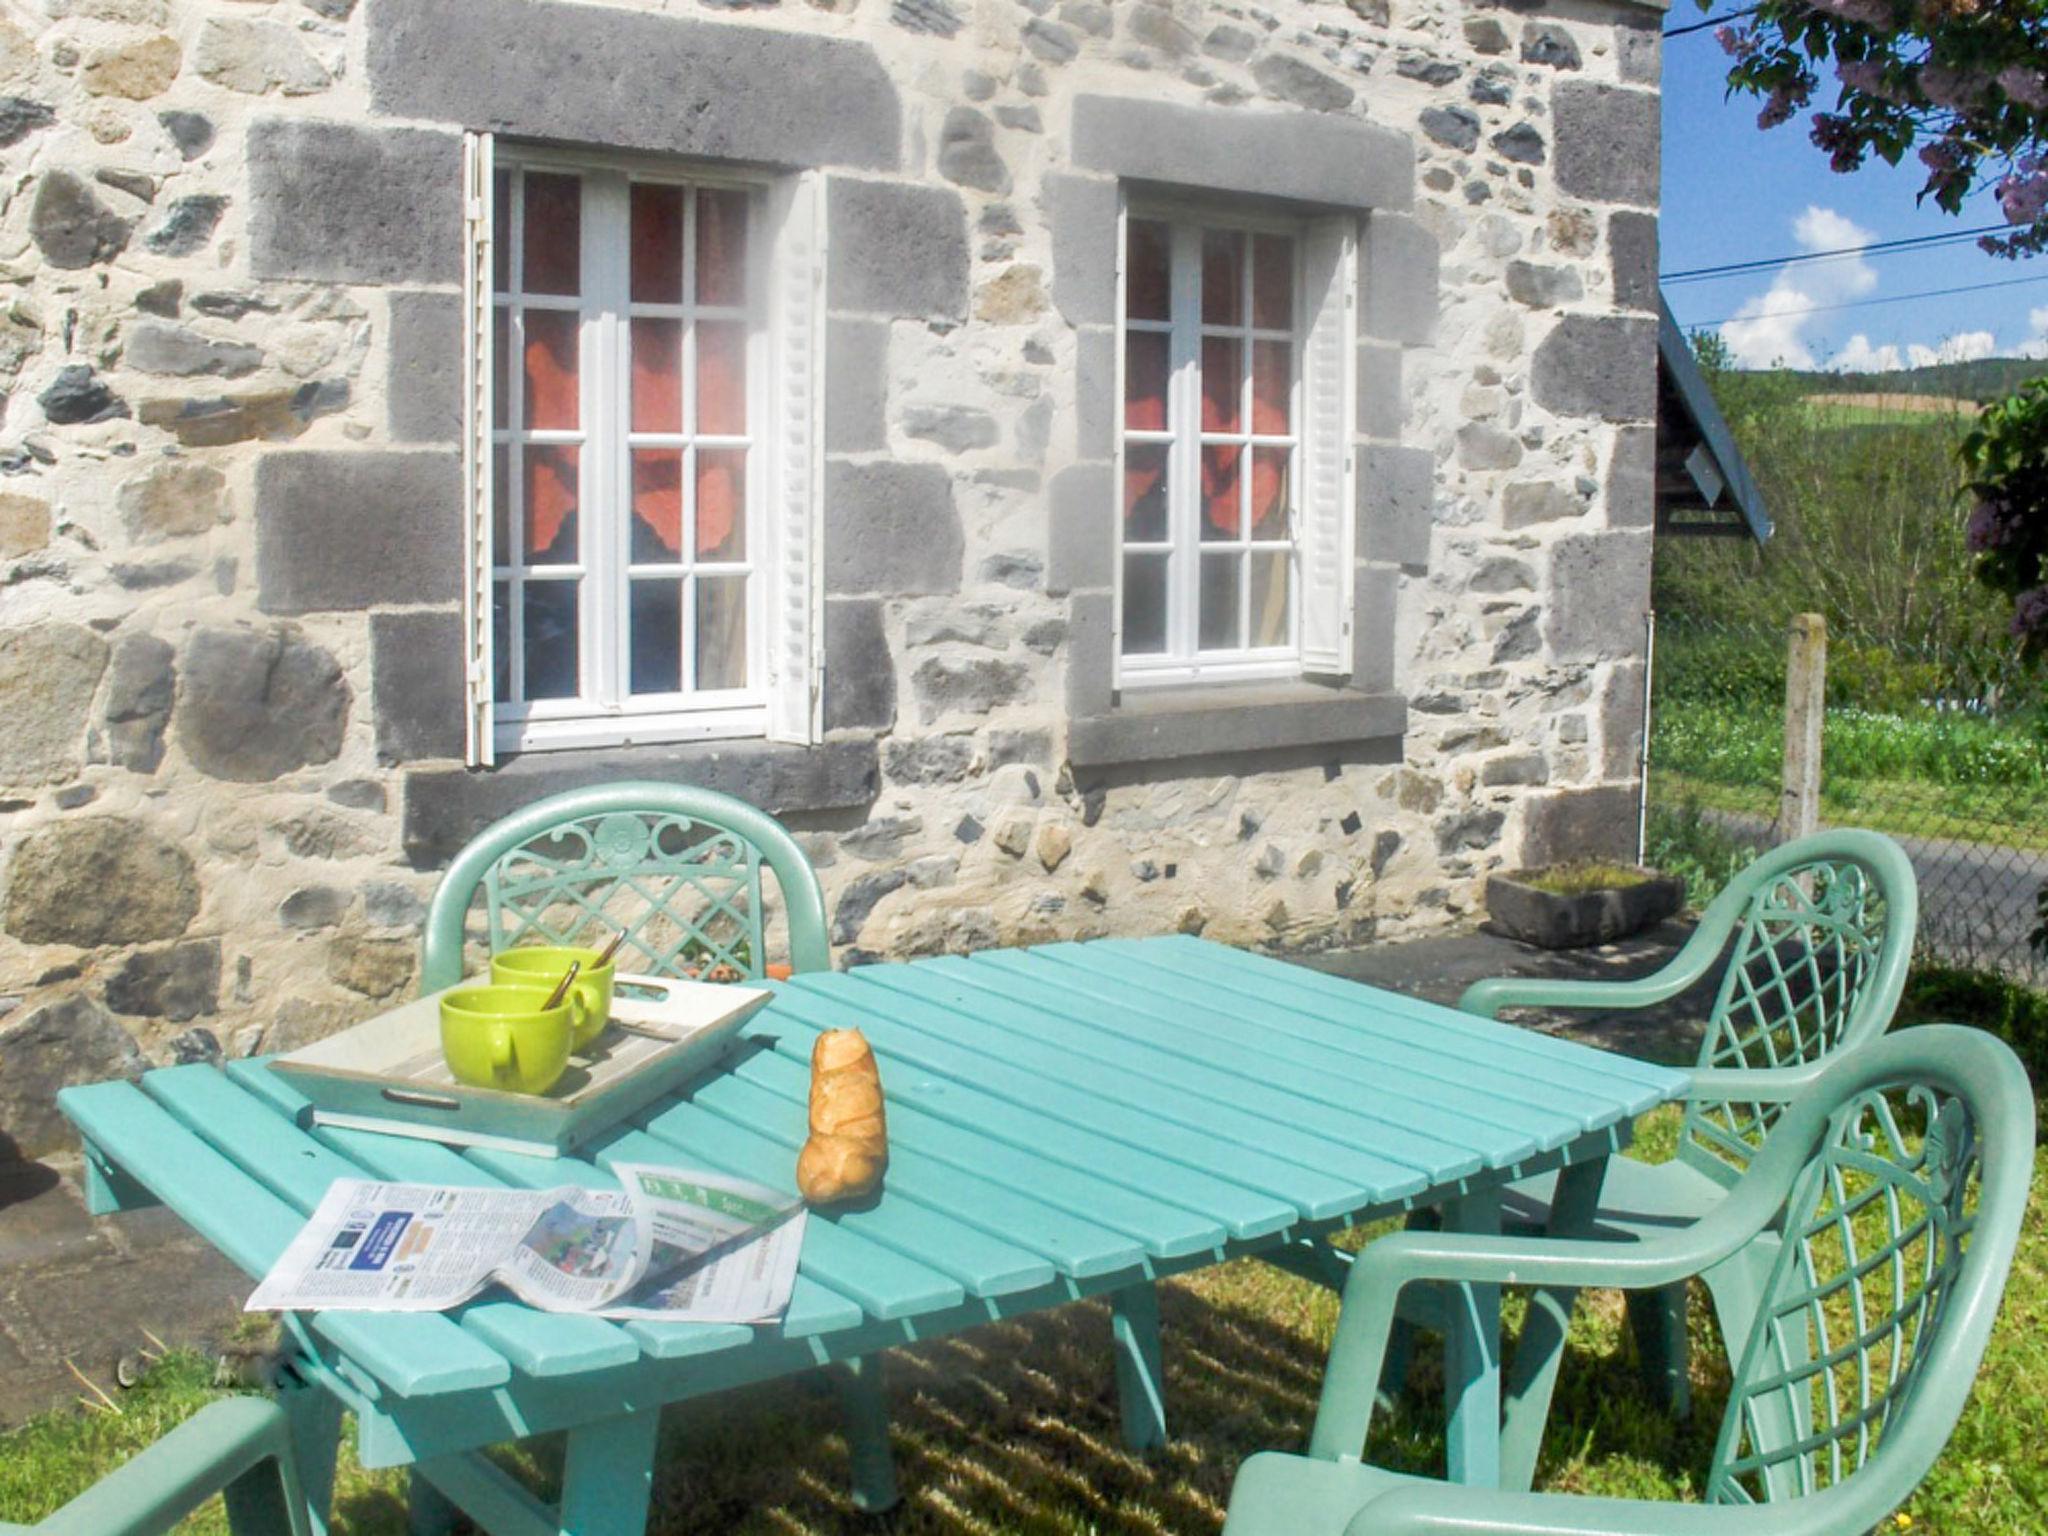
[1733,192]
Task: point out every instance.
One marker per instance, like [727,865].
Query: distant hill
[1989,378]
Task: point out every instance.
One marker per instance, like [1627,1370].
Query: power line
[1711,21]
[1877,248]
[1896,298]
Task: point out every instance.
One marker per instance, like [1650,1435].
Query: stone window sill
[1158,726]
[447,806]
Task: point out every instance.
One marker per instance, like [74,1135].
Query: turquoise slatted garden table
[1067,1121]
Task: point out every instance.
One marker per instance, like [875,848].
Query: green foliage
[1945,994]
[1960,80]
[2006,458]
[1682,841]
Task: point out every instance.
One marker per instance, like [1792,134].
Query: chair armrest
[1450,1509]
[184,1469]
[1683,970]
[1753,1085]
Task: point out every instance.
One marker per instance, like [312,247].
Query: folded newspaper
[671,1245]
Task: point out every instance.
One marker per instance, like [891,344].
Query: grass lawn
[1903,807]
[1013,1427]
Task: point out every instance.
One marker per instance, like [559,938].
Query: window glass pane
[550,639]
[1272,386]
[1268,611]
[721,504]
[501,504]
[721,377]
[657,505]
[1222,277]
[551,368]
[1270,492]
[1144,605]
[1144,493]
[722,632]
[553,234]
[501,231]
[721,246]
[1273,282]
[1221,498]
[1219,602]
[550,505]
[1222,384]
[657,375]
[1148,285]
[1145,369]
[657,255]
[501,641]
[656,640]
[501,364]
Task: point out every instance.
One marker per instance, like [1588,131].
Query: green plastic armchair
[677,867]
[1870,1240]
[1818,935]
[238,1448]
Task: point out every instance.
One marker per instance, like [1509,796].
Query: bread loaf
[849,1140]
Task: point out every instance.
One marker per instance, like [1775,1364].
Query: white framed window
[641,452]
[1234,450]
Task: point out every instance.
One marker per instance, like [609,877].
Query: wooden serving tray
[387,1073]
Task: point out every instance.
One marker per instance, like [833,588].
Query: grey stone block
[1607,143]
[446,807]
[1400,279]
[416,687]
[340,203]
[1081,212]
[604,75]
[1639,50]
[897,249]
[1621,722]
[1081,507]
[423,368]
[347,530]
[1317,157]
[1632,248]
[1159,728]
[967,151]
[1632,479]
[1599,591]
[255,704]
[1579,824]
[1091,653]
[1598,365]
[860,674]
[1396,500]
[891,529]
[1095,402]
[1375,596]
[179,352]
[856,385]
[1526,503]
[1382,407]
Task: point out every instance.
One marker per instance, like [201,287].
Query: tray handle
[421,1100]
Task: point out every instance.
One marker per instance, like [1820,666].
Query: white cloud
[2036,344]
[1770,327]
[1859,356]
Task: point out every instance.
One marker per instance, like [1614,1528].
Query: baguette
[849,1142]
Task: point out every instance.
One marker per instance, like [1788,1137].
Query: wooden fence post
[1806,683]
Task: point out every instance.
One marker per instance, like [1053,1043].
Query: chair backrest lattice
[1896,1239]
[1818,958]
[677,870]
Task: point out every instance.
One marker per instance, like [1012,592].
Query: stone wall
[229,649]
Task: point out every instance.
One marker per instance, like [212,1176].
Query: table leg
[1140,1378]
[608,1478]
[1540,1350]
[1472,1356]
[313,1419]
[428,1511]
[866,1406]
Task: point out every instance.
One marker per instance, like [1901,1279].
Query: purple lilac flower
[1865,75]
[1989,527]
[2030,613]
[1875,14]
[1960,90]
[2028,87]
[2023,195]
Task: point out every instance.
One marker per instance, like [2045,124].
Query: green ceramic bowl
[506,1038]
[542,965]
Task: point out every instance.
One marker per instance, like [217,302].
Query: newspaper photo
[671,1245]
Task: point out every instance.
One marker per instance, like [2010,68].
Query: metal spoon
[610,949]
[562,987]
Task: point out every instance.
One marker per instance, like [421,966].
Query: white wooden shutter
[479,721]
[1323,506]
[794,581]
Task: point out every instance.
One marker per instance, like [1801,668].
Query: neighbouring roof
[1703,485]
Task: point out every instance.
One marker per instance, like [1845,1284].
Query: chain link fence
[1947,751]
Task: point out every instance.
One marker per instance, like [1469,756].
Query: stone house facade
[1091,466]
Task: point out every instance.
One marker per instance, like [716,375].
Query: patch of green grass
[1579,878]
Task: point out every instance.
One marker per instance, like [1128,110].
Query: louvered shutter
[794,579]
[1324,527]
[479,721]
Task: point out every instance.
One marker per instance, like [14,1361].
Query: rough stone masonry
[230,653]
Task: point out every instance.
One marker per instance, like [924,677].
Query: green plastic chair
[1819,935]
[238,1448]
[1869,1242]
[679,868]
